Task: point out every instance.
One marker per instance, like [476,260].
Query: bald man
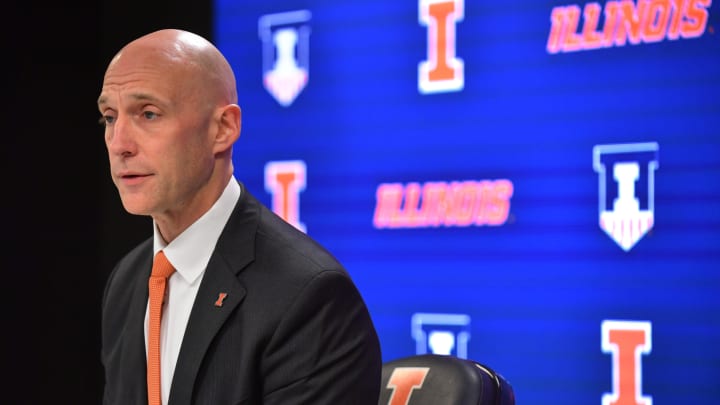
[256,312]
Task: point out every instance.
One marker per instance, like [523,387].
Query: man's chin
[135,207]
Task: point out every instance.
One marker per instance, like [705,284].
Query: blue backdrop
[554,168]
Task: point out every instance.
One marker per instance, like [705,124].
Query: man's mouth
[131,178]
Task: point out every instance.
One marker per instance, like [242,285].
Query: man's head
[169,104]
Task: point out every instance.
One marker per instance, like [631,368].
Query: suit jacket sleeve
[325,349]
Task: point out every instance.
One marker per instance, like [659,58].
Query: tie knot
[161,266]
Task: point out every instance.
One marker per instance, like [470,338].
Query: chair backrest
[432,379]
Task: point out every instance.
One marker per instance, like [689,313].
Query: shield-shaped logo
[286,55]
[441,333]
[626,190]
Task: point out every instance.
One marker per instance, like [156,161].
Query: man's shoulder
[272,238]
[141,252]
[286,242]
[126,267]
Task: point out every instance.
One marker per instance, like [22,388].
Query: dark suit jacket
[292,330]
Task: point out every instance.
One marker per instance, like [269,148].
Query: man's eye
[106,120]
[149,115]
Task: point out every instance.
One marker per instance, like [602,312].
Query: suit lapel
[234,250]
[205,320]
[134,356]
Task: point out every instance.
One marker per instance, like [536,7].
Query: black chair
[433,379]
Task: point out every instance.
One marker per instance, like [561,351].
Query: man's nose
[121,139]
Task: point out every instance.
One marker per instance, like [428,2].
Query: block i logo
[442,71]
[286,55]
[626,190]
[441,333]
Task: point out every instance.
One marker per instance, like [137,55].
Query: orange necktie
[161,270]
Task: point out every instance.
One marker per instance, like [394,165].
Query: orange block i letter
[285,180]
[442,71]
[626,341]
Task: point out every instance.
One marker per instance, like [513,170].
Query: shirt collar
[190,252]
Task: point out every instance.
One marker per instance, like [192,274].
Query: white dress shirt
[189,254]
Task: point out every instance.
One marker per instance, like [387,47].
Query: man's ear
[229,121]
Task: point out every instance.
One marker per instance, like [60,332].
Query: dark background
[64,226]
